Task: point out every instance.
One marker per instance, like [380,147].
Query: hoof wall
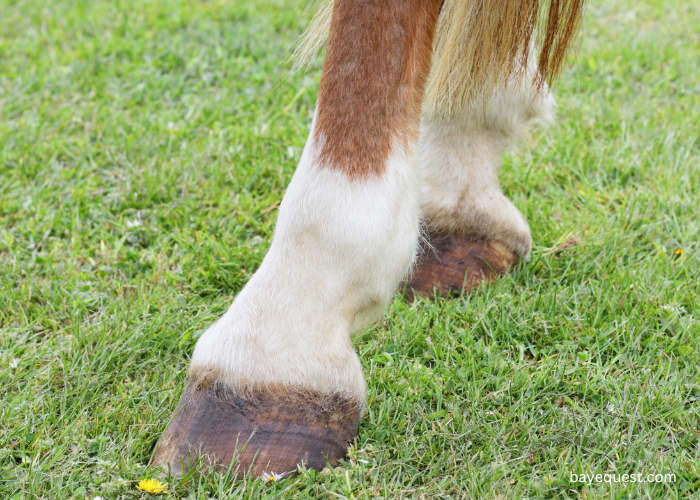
[264,433]
[454,264]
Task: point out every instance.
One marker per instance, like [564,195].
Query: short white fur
[339,250]
[460,158]
[341,246]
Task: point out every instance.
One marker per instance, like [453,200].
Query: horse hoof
[456,264]
[260,433]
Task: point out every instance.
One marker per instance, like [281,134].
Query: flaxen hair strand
[479,45]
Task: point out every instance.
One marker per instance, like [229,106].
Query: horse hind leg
[475,231]
[478,104]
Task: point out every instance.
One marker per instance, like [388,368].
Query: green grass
[144,147]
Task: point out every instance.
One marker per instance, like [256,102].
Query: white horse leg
[278,370]
[474,228]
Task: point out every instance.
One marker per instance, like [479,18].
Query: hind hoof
[457,264]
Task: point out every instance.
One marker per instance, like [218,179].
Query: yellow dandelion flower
[152,486]
[678,252]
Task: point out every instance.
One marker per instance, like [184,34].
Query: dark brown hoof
[265,433]
[455,264]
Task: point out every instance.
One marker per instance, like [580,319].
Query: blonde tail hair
[479,45]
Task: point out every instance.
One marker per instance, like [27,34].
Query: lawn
[144,150]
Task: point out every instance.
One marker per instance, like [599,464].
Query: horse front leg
[275,383]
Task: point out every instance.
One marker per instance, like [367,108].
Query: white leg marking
[339,250]
[460,157]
